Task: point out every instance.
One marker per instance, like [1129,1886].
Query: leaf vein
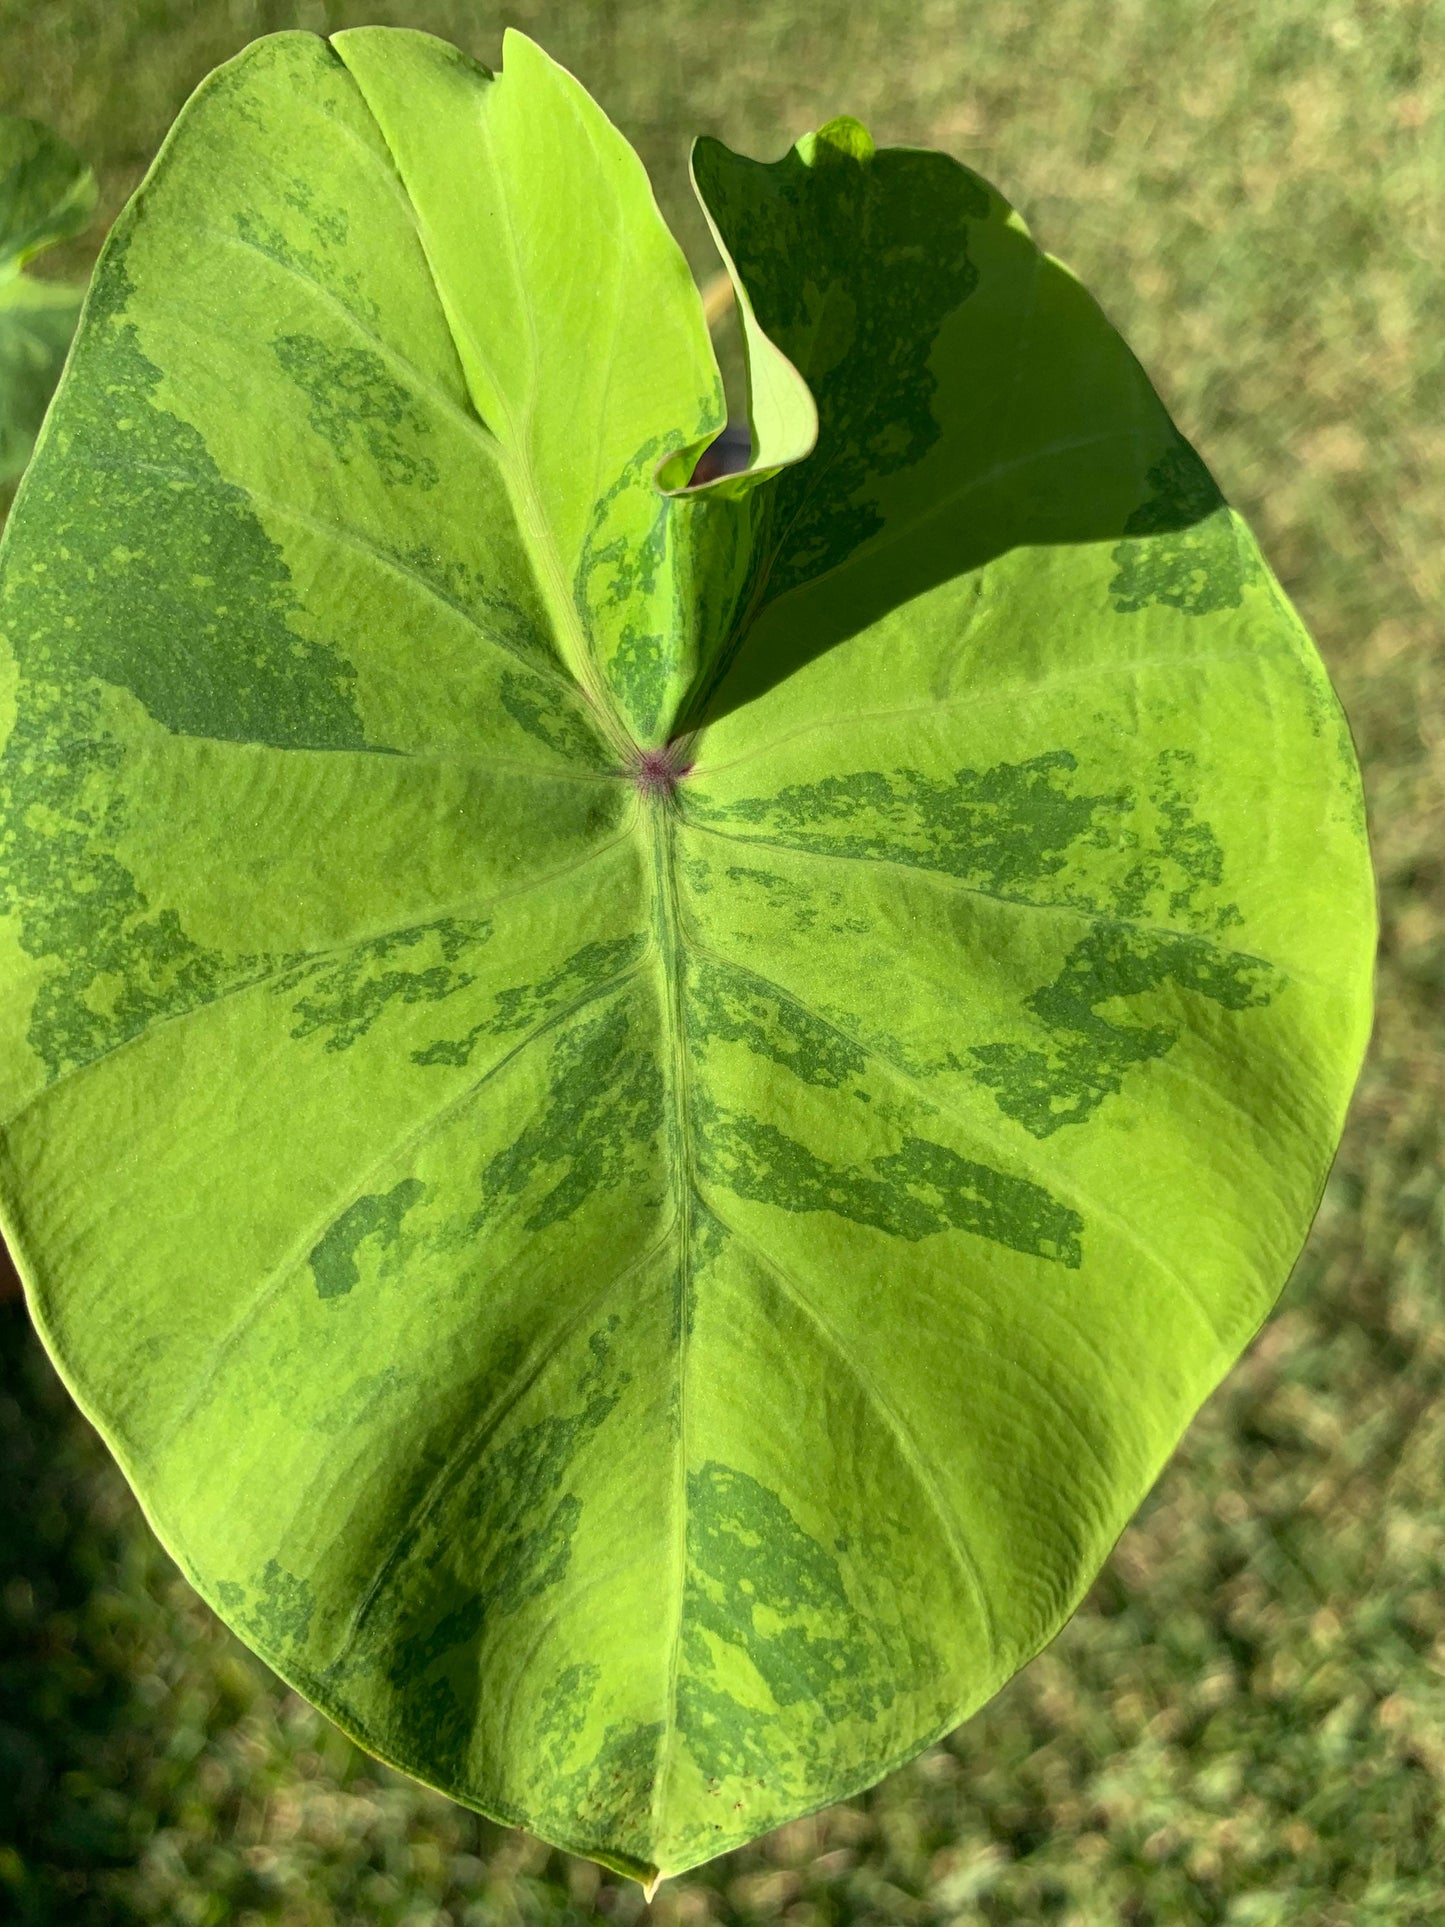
[980,1128]
[1103,918]
[1012,695]
[902,1434]
[475,1441]
[290,1265]
[465,907]
[422,386]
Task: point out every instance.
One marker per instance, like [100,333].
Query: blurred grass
[1245,1724]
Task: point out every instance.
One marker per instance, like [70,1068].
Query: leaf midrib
[668,940]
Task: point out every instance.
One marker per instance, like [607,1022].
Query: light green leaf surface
[642,1115]
[46,195]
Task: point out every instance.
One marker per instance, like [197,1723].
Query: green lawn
[1246,1721]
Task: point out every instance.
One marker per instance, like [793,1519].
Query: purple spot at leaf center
[657,772]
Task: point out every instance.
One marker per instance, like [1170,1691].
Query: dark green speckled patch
[373,1219]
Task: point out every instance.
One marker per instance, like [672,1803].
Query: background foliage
[1246,1722]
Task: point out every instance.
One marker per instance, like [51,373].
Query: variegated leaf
[642,1113]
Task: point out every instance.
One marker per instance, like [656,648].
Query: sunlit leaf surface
[642,1114]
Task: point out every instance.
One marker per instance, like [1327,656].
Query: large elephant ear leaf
[642,1112]
[47,195]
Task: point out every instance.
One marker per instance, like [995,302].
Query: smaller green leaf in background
[47,194]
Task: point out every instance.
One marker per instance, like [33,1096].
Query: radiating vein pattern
[642,1111]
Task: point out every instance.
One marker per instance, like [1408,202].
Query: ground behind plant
[1245,1724]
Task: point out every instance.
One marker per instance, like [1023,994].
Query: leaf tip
[842,139]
